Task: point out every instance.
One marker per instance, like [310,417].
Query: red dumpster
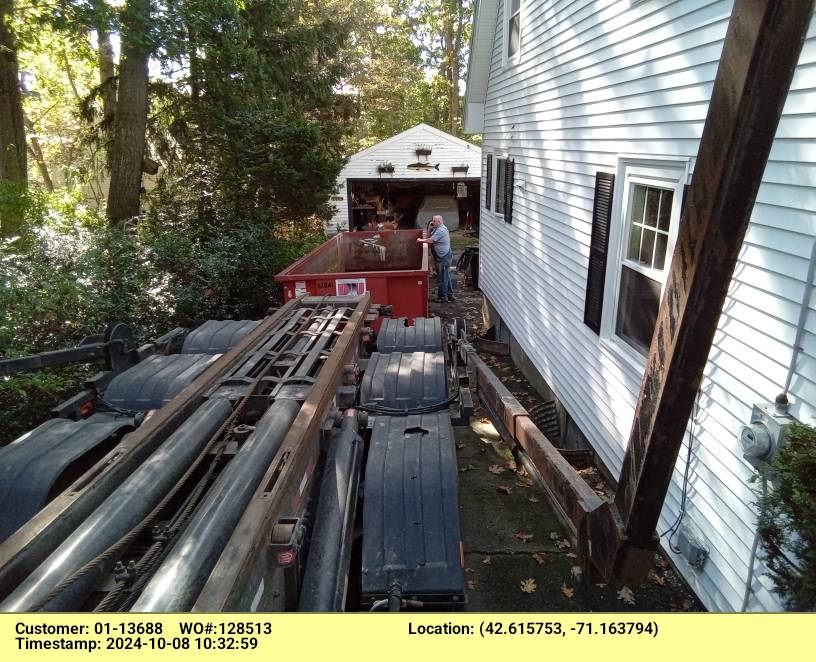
[392,265]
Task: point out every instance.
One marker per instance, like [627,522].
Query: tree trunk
[449,58]
[13,161]
[36,153]
[107,79]
[130,122]
[192,53]
[455,111]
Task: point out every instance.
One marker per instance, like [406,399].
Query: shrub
[788,520]
[71,275]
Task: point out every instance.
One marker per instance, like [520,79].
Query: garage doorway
[401,201]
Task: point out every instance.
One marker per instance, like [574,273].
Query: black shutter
[489,180]
[510,166]
[601,215]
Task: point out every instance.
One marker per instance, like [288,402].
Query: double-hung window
[643,266]
[498,174]
[512,10]
[645,220]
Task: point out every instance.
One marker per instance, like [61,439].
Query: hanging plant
[423,150]
[460,168]
[385,167]
[787,520]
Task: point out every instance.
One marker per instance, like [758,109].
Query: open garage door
[407,202]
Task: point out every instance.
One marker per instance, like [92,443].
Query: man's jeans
[445,289]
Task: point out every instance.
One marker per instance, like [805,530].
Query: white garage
[418,172]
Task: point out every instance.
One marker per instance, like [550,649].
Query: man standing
[441,247]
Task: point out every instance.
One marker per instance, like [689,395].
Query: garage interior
[376,201]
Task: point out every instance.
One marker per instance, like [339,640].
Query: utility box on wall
[762,438]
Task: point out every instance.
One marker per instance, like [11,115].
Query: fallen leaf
[567,591]
[528,585]
[653,577]
[572,555]
[496,469]
[554,535]
[524,537]
[471,584]
[540,558]
[576,572]
[460,446]
[484,420]
[601,585]
[504,489]
[532,499]
[487,560]
[563,544]
[626,595]
[510,465]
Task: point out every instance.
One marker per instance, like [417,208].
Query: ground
[517,557]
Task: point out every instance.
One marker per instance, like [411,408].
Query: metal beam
[761,49]
[243,563]
[23,551]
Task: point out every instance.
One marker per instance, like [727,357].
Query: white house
[565,89]
[393,177]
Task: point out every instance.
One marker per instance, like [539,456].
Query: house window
[513,38]
[644,223]
[643,268]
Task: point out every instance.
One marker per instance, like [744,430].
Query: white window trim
[663,172]
[497,153]
[508,61]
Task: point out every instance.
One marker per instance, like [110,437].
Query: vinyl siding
[595,81]
[399,150]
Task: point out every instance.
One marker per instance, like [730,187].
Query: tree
[442,29]
[13,160]
[130,122]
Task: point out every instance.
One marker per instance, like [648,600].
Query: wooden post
[760,53]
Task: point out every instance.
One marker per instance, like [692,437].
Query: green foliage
[788,520]
[224,268]
[70,278]
[74,275]
[25,400]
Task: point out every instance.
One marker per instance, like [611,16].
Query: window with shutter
[599,245]
[640,229]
